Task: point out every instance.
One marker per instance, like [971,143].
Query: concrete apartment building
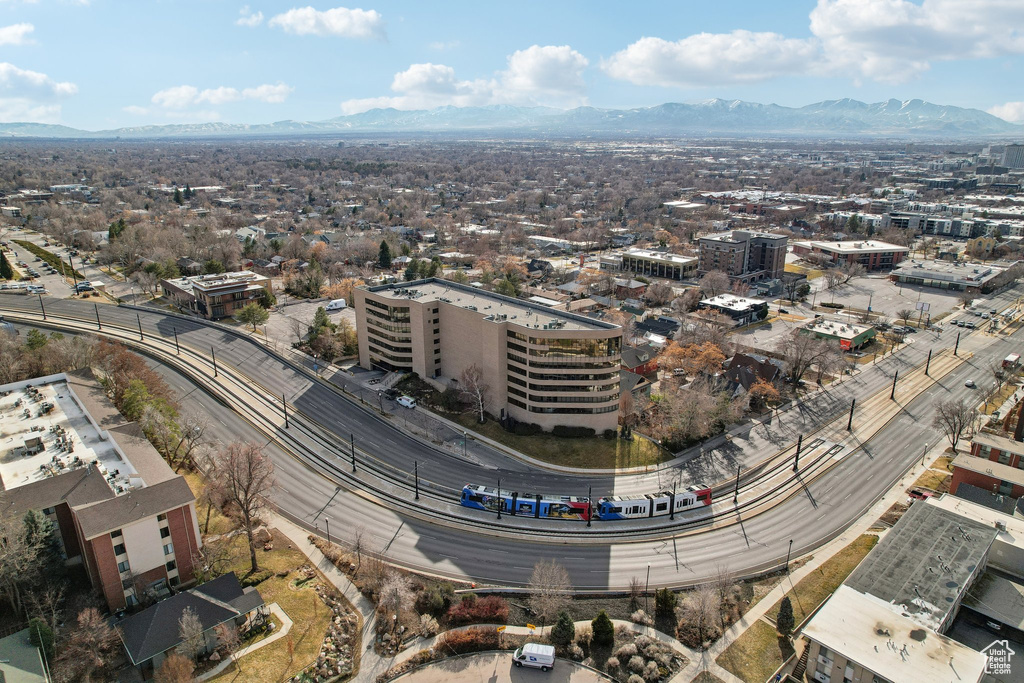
[743,255]
[217,296]
[542,366]
[871,254]
[119,509]
[659,264]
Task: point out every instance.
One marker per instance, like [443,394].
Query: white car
[969,384]
[406,401]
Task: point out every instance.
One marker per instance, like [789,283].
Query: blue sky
[102,64]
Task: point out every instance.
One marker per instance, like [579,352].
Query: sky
[100,64]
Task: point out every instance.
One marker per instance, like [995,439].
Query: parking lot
[42,276]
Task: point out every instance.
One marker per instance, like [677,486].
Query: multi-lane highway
[822,509]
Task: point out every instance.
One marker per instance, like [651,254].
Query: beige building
[541,366]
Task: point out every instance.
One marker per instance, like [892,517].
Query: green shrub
[526,429]
[41,635]
[564,630]
[603,629]
[610,434]
[257,578]
[829,304]
[572,432]
[665,602]
[435,600]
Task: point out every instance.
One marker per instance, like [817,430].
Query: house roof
[635,356]
[116,512]
[995,501]
[155,630]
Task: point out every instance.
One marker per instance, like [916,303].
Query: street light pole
[788,553]
[849,423]
[352,443]
[41,307]
[99,325]
[796,461]
[139,319]
[465,438]
[177,349]
[892,394]
[284,409]
[416,468]
[327,520]
[499,497]
[590,504]
[928,363]
[647,585]
[957,345]
[736,493]
[213,354]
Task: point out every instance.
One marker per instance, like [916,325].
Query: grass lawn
[596,452]
[823,581]
[943,463]
[310,616]
[996,400]
[706,677]
[754,656]
[218,523]
[937,481]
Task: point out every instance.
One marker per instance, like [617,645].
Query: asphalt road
[827,505]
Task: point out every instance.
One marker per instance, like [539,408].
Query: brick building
[217,296]
[119,509]
[743,255]
[873,255]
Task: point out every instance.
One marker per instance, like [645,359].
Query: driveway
[496,667]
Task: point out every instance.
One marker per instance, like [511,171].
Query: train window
[616,509]
[661,507]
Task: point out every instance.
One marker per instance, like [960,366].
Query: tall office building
[1013,156]
[541,366]
[744,255]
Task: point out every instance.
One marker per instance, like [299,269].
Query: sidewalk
[707,660]
[286,626]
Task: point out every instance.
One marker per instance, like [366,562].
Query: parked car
[535,655]
[970,325]
[80,287]
[969,384]
[919,494]
[406,401]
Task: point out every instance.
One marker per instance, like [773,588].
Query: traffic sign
[530,626]
[501,628]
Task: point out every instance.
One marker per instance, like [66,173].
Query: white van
[335,305]
[406,401]
[536,655]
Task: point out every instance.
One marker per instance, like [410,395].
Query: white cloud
[1010,111]
[22,109]
[890,41]
[182,96]
[441,46]
[340,21]
[25,83]
[16,34]
[135,110]
[710,59]
[550,75]
[249,18]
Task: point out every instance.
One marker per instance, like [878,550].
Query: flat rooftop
[890,645]
[492,306]
[1010,531]
[53,426]
[732,302]
[837,328]
[737,236]
[952,272]
[990,468]
[665,257]
[237,278]
[924,563]
[853,246]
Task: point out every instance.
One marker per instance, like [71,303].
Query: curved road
[827,505]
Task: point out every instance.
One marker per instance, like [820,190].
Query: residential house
[629,288]
[640,360]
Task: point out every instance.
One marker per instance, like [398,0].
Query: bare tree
[954,418]
[833,277]
[850,271]
[245,475]
[190,631]
[723,583]
[91,646]
[659,294]
[550,589]
[636,589]
[475,389]
[698,614]
[905,314]
[20,556]
[175,669]
[228,638]
[714,283]
[800,351]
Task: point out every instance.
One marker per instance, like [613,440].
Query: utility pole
[796,461]
[957,345]
[41,307]
[788,553]
[928,363]
[177,349]
[892,394]
[213,354]
[327,520]
[416,469]
[736,493]
[139,318]
[849,423]
[99,325]
[672,505]
[499,497]
[465,438]
[590,504]
[284,409]
[647,585]
[352,443]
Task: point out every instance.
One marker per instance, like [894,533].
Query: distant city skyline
[98,64]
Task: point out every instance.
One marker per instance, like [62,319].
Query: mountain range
[845,118]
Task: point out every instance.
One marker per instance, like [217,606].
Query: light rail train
[572,507]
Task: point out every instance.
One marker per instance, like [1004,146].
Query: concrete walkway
[286,626]
[497,667]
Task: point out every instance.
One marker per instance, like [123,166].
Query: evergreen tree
[212,267]
[177,197]
[603,630]
[116,229]
[6,272]
[189,192]
[384,257]
[665,602]
[412,271]
[41,635]
[252,314]
[564,630]
[785,621]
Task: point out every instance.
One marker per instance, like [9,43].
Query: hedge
[47,256]
[469,640]
[473,610]
[572,432]
[832,305]
[257,578]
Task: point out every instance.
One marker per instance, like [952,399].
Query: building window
[161,518]
[126,584]
[168,549]
[174,581]
[1004,458]
[49,511]
[123,567]
[164,532]
[119,549]
[171,566]
[116,534]
[131,600]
